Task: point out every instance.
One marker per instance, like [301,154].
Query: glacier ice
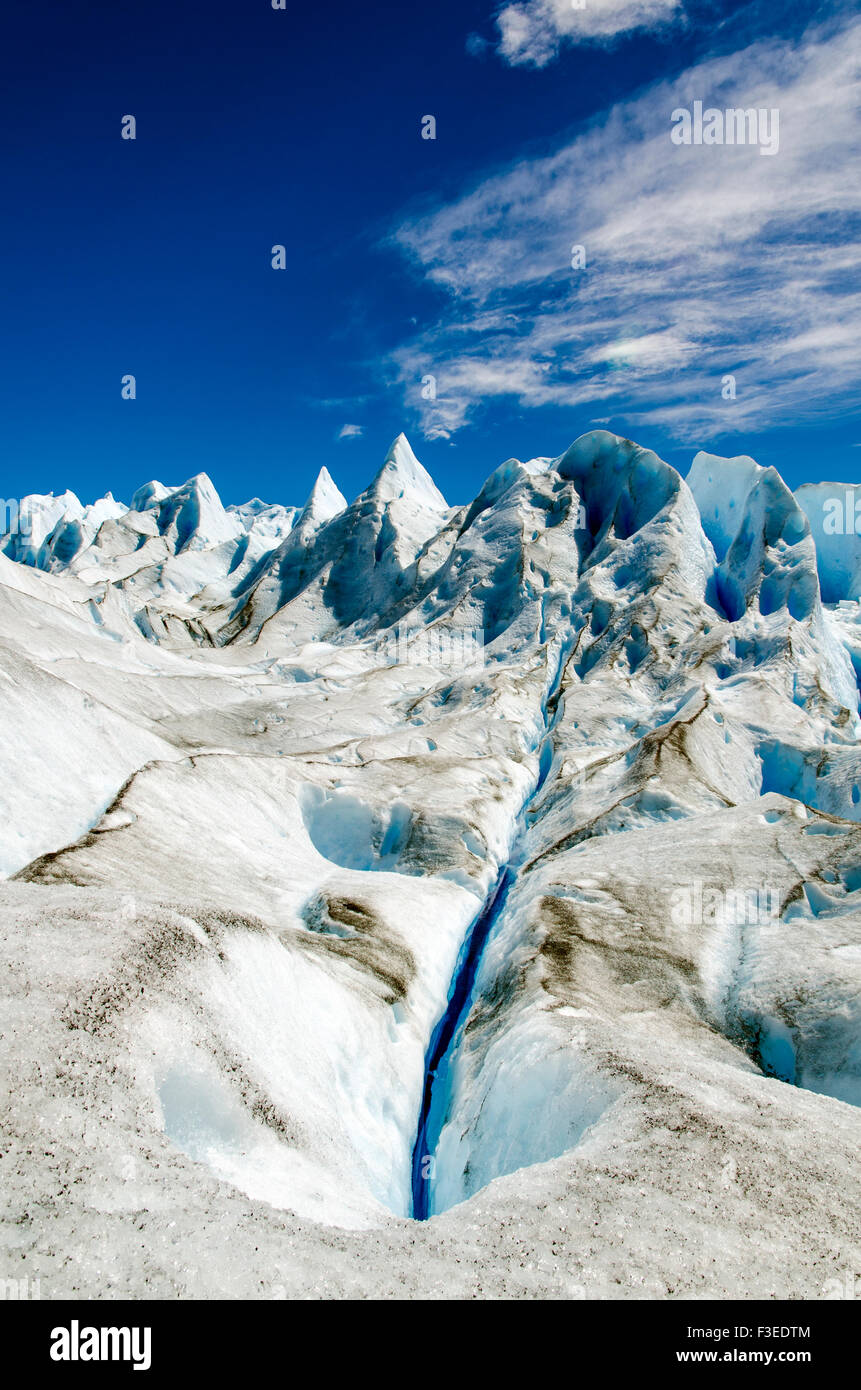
[309,933]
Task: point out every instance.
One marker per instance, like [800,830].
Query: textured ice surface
[248,828]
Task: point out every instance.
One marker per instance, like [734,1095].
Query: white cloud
[665,349]
[700,260]
[350,432]
[533,31]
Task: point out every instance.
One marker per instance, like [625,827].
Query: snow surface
[258,859]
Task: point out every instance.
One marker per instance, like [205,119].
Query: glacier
[404,899]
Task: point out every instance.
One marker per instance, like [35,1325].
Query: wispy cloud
[533,31]
[350,432]
[477,46]
[700,261]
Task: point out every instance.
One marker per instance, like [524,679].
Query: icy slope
[320,917]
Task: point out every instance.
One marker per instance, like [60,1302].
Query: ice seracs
[325,501]
[762,541]
[402,477]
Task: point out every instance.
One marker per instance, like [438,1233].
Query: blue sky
[408,257]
